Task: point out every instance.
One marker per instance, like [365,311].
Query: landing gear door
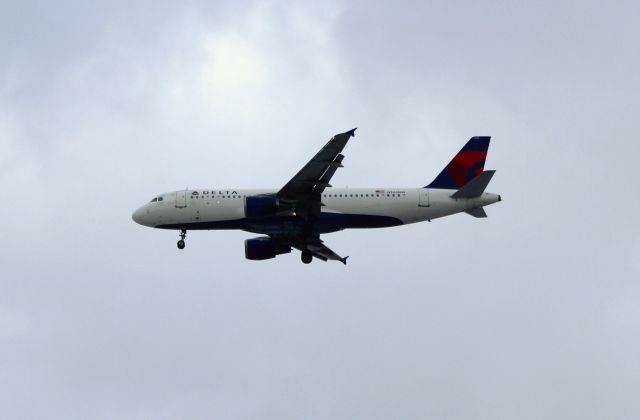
[423,197]
[181,199]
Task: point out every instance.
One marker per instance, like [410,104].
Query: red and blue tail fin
[466,165]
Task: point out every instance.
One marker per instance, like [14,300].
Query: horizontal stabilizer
[475,187]
[477,212]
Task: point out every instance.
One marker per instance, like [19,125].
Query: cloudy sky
[532,313]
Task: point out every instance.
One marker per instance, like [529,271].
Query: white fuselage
[342,208]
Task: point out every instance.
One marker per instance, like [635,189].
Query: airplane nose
[138,216]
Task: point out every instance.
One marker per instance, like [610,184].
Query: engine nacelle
[263,248]
[260,206]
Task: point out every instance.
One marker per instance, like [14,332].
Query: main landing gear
[306,256]
[183,235]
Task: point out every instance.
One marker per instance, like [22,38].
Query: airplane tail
[465,166]
[474,189]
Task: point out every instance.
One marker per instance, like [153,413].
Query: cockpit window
[154,199]
[159,198]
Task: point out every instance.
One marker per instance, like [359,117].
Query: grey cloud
[530,313]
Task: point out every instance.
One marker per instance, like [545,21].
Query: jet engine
[263,248]
[260,206]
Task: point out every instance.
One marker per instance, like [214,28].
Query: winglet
[352,132]
[344,260]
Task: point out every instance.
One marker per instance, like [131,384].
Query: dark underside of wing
[313,244]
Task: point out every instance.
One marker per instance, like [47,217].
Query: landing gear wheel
[183,235]
[306,256]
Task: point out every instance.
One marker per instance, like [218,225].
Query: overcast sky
[530,314]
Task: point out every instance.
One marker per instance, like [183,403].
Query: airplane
[307,206]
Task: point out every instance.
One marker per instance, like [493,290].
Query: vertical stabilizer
[466,165]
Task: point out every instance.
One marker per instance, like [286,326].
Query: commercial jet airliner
[307,206]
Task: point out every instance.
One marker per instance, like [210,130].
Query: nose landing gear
[183,235]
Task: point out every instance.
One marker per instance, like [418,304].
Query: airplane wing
[320,250]
[303,191]
[303,194]
[313,244]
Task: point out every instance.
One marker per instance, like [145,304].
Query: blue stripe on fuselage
[291,225]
